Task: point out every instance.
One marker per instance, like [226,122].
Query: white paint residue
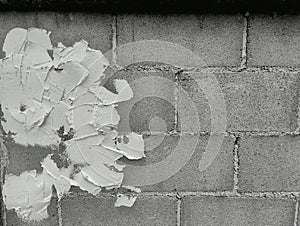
[42,94]
[14,41]
[132,188]
[125,200]
[130,145]
[29,194]
[85,185]
[107,97]
[60,178]
[62,54]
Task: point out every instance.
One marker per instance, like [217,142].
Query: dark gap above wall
[154,6]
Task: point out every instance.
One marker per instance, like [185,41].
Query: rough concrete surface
[269,164]
[255,101]
[274,40]
[236,211]
[216,40]
[217,177]
[86,211]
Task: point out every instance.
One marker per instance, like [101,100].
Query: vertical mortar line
[178,212]
[2,208]
[114,40]
[298,107]
[236,164]
[176,96]
[296,213]
[298,115]
[58,207]
[245,42]
[176,102]
[4,164]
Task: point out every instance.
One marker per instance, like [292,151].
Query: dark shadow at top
[155,6]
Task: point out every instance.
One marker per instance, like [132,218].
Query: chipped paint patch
[51,95]
[125,200]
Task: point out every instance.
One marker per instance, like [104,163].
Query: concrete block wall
[254,179]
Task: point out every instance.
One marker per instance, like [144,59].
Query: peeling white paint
[29,194]
[39,94]
[125,200]
[60,178]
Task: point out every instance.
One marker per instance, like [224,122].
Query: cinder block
[178,157]
[13,219]
[274,40]
[223,211]
[269,164]
[152,107]
[255,101]
[25,158]
[216,40]
[92,211]
[65,27]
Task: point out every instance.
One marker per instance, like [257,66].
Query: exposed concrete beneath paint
[61,100]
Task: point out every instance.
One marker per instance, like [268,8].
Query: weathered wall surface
[254,179]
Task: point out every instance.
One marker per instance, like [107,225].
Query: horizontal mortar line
[263,133]
[180,194]
[88,195]
[268,195]
[203,133]
[228,133]
[212,69]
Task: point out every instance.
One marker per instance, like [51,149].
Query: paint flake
[42,94]
[133,148]
[125,200]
